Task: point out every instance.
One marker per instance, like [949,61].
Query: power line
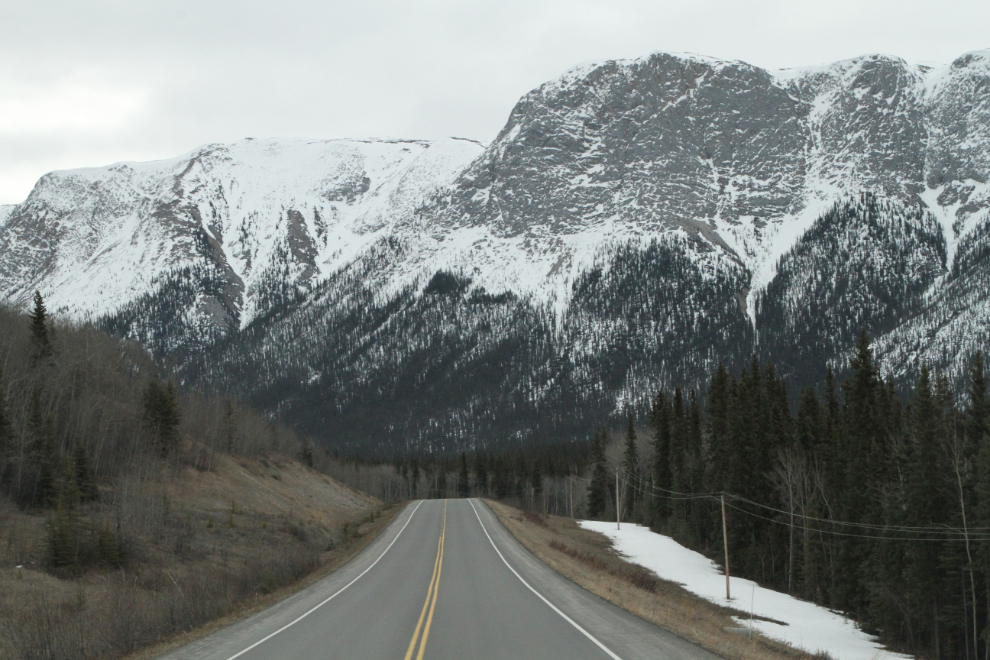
[945,533]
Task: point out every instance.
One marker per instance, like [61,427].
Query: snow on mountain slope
[743,158]
[93,239]
[626,204]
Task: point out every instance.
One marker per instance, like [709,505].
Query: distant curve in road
[444,581]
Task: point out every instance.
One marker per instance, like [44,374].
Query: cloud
[91,82]
[69,106]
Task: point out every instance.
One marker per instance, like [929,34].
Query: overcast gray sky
[90,82]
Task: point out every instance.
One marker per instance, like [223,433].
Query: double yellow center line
[431,598]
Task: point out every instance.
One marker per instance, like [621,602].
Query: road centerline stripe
[340,591]
[436,587]
[426,603]
[569,620]
[431,593]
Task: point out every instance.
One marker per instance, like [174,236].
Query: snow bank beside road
[809,626]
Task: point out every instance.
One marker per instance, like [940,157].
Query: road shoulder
[587,559]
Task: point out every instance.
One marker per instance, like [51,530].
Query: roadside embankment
[587,558]
[202,549]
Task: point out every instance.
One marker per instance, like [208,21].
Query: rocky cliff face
[634,223]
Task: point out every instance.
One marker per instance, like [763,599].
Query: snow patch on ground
[809,626]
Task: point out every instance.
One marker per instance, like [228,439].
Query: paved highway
[445,581]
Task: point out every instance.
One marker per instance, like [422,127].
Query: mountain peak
[667,207]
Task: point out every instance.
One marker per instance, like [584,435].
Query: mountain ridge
[745,182]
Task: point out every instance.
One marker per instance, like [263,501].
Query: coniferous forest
[860,495]
[867,500]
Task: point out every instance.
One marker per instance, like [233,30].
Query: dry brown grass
[203,549]
[363,535]
[588,559]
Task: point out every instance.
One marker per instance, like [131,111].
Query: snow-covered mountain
[296,210]
[632,224]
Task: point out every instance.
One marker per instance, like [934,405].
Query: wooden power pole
[725,542]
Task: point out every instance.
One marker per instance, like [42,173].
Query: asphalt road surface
[445,581]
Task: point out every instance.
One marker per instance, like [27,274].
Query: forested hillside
[131,512]
[446,365]
[856,493]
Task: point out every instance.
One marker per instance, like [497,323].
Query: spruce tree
[978,436]
[660,417]
[630,465]
[926,508]
[958,499]
[677,453]
[41,339]
[598,487]
[718,428]
[695,470]
[306,453]
[809,422]
[855,454]
[161,415]
[42,453]
[84,477]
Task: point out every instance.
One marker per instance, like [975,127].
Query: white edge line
[292,623]
[541,597]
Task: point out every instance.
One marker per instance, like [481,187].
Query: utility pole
[725,542]
[618,515]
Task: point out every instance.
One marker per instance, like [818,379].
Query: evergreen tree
[809,422]
[84,477]
[41,339]
[660,417]
[677,452]
[856,454]
[306,452]
[978,436]
[42,453]
[978,409]
[630,465]
[598,487]
[718,428]
[926,508]
[695,470]
[161,415]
